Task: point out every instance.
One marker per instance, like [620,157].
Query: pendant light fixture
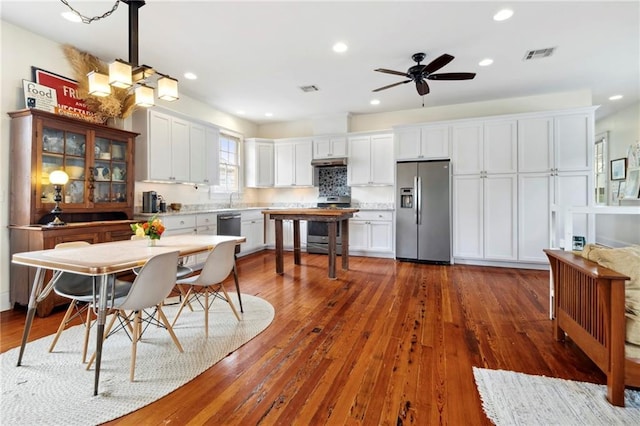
[126,75]
[98,84]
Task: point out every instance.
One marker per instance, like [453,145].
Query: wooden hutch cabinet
[97,202]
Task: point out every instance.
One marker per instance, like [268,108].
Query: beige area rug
[511,398]
[55,389]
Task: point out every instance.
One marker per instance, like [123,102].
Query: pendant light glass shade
[98,84]
[120,74]
[144,96]
[167,88]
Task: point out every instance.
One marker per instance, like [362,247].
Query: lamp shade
[144,96]
[120,74]
[98,84]
[58,177]
[167,88]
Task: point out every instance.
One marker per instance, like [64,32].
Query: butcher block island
[329,215]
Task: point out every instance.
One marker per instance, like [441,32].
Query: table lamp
[57,178]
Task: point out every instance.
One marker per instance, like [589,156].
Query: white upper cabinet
[180,150]
[329,146]
[204,154]
[485,147]
[467,148]
[422,143]
[258,161]
[555,143]
[292,165]
[574,141]
[172,149]
[371,160]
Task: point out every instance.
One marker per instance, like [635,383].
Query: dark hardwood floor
[387,343]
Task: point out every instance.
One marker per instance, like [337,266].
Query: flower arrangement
[153,228]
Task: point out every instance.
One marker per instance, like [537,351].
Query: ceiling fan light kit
[420,73]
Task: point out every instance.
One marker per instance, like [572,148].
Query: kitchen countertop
[192,211]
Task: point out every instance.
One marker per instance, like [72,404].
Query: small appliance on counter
[150,202]
[162,205]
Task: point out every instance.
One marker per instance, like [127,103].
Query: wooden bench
[589,306]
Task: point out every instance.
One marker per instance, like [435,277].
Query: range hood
[327,162]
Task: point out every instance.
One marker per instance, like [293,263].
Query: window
[229,164]
[600,169]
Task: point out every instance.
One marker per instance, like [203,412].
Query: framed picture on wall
[619,169]
[632,188]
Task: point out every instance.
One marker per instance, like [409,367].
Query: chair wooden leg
[63,324]
[226,295]
[137,325]
[184,296]
[87,331]
[184,302]
[164,320]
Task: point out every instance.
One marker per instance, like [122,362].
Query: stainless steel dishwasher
[229,224]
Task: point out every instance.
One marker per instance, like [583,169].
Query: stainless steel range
[318,232]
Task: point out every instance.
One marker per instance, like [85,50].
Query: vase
[115,122]
[151,242]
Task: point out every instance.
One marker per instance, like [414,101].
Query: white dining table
[102,260]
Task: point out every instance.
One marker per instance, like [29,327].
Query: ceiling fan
[420,73]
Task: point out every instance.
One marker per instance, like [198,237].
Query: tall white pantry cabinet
[484,164]
[507,173]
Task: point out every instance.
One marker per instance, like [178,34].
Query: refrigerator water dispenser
[406,198]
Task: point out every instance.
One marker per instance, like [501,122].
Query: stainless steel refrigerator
[423,211]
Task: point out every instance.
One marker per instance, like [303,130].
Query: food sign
[69,103]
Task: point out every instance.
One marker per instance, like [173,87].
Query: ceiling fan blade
[422,87]
[452,76]
[404,74]
[438,63]
[391,85]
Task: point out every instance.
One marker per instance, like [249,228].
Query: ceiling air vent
[310,88]
[538,53]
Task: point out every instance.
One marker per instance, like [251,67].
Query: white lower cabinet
[371,233]
[206,224]
[179,224]
[252,228]
[538,192]
[485,217]
[184,224]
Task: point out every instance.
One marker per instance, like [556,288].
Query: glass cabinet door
[110,171]
[63,150]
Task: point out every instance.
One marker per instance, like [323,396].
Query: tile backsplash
[333,181]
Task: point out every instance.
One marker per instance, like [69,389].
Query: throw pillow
[625,260]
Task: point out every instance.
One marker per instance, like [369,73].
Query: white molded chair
[152,285]
[209,282]
[80,289]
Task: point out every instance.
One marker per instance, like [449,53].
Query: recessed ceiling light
[268,114]
[503,15]
[340,47]
[485,62]
[70,16]
[375,102]
[615,97]
[190,76]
